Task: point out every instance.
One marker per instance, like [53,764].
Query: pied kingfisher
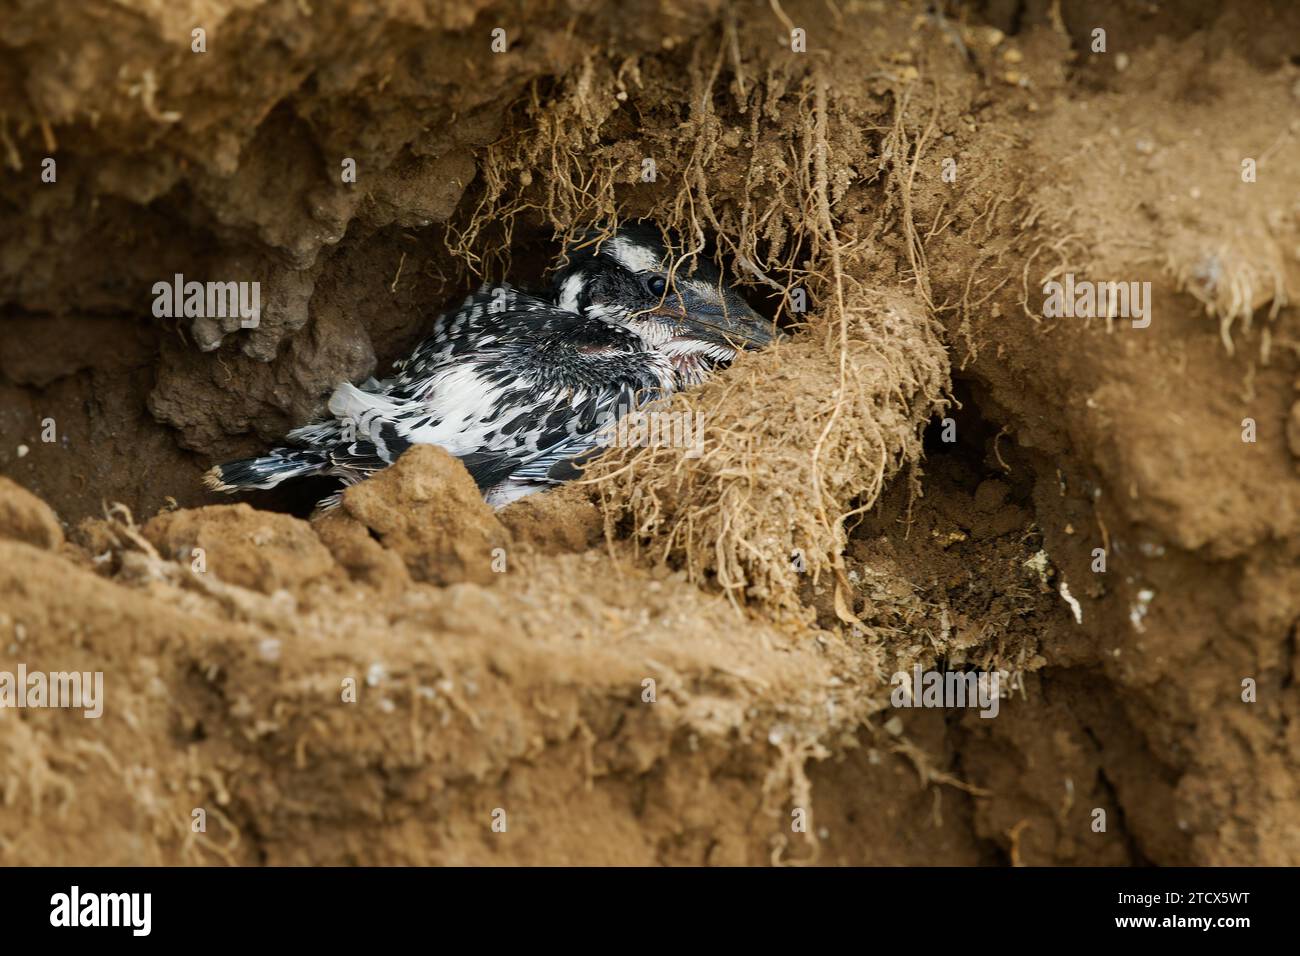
[519,387]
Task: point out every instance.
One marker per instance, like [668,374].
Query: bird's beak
[718,317]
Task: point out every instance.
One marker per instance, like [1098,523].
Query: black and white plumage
[519,386]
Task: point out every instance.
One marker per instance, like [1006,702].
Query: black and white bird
[520,386]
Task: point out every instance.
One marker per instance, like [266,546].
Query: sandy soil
[633,670]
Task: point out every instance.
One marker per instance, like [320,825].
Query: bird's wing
[481,320]
[545,455]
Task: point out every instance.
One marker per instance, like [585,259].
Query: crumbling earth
[678,660]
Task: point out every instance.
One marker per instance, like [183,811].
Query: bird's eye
[656,285]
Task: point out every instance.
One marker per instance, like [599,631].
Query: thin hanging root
[561,168]
[915,245]
[827,228]
[122,523]
[928,773]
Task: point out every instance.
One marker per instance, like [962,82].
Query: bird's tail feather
[267,471]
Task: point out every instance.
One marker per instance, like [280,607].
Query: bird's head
[679,307]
